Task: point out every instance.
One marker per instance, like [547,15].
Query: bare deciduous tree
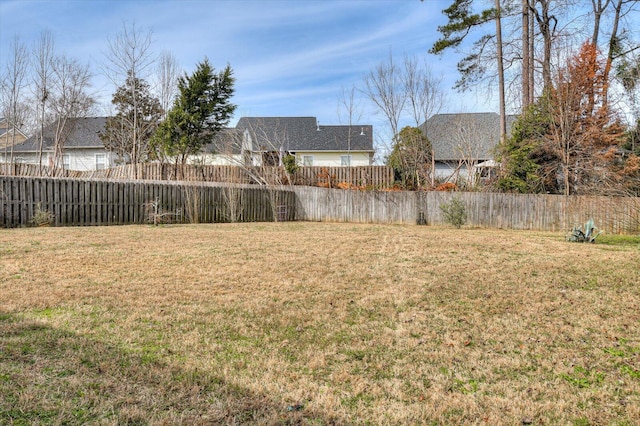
[69,101]
[129,56]
[464,137]
[168,72]
[384,87]
[423,90]
[349,113]
[230,146]
[262,163]
[408,91]
[13,83]
[128,52]
[43,69]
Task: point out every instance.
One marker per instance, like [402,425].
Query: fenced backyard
[72,201]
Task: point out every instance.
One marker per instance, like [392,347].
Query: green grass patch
[583,378]
[619,240]
[353,324]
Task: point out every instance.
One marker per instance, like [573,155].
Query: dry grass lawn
[315,323]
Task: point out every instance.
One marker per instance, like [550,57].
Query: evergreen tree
[411,158]
[138,113]
[520,154]
[201,110]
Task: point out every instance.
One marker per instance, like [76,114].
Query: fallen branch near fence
[156,215]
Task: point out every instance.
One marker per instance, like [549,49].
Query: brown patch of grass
[317,324]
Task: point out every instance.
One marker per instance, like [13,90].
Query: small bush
[290,164]
[454,212]
[41,217]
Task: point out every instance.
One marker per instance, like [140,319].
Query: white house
[265,140]
[83,149]
[254,141]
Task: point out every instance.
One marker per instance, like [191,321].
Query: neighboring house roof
[464,136]
[7,135]
[305,134]
[265,133]
[84,133]
[228,141]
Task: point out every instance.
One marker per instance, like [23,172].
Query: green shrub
[454,212]
[290,164]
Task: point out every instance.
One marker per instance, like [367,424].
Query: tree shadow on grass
[51,376]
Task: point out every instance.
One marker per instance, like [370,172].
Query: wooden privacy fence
[363,176]
[106,202]
[542,212]
[488,210]
[335,205]
[33,170]
[111,202]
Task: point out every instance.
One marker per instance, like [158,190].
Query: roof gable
[7,135]
[471,136]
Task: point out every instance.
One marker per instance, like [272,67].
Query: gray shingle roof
[227,141]
[271,133]
[305,134]
[84,134]
[464,135]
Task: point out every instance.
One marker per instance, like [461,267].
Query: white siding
[82,160]
[334,159]
[215,160]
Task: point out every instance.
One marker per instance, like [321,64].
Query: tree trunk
[532,50]
[612,43]
[526,84]
[503,118]
[544,24]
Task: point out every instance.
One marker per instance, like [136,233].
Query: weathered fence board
[108,202]
[323,204]
[490,210]
[363,176]
[74,202]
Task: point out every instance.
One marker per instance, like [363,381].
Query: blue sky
[290,58]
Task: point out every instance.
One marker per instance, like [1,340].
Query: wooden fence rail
[107,202]
[111,202]
[380,177]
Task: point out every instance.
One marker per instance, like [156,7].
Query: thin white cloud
[289,57]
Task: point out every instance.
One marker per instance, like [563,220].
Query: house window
[101,161]
[307,160]
[66,161]
[345,160]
